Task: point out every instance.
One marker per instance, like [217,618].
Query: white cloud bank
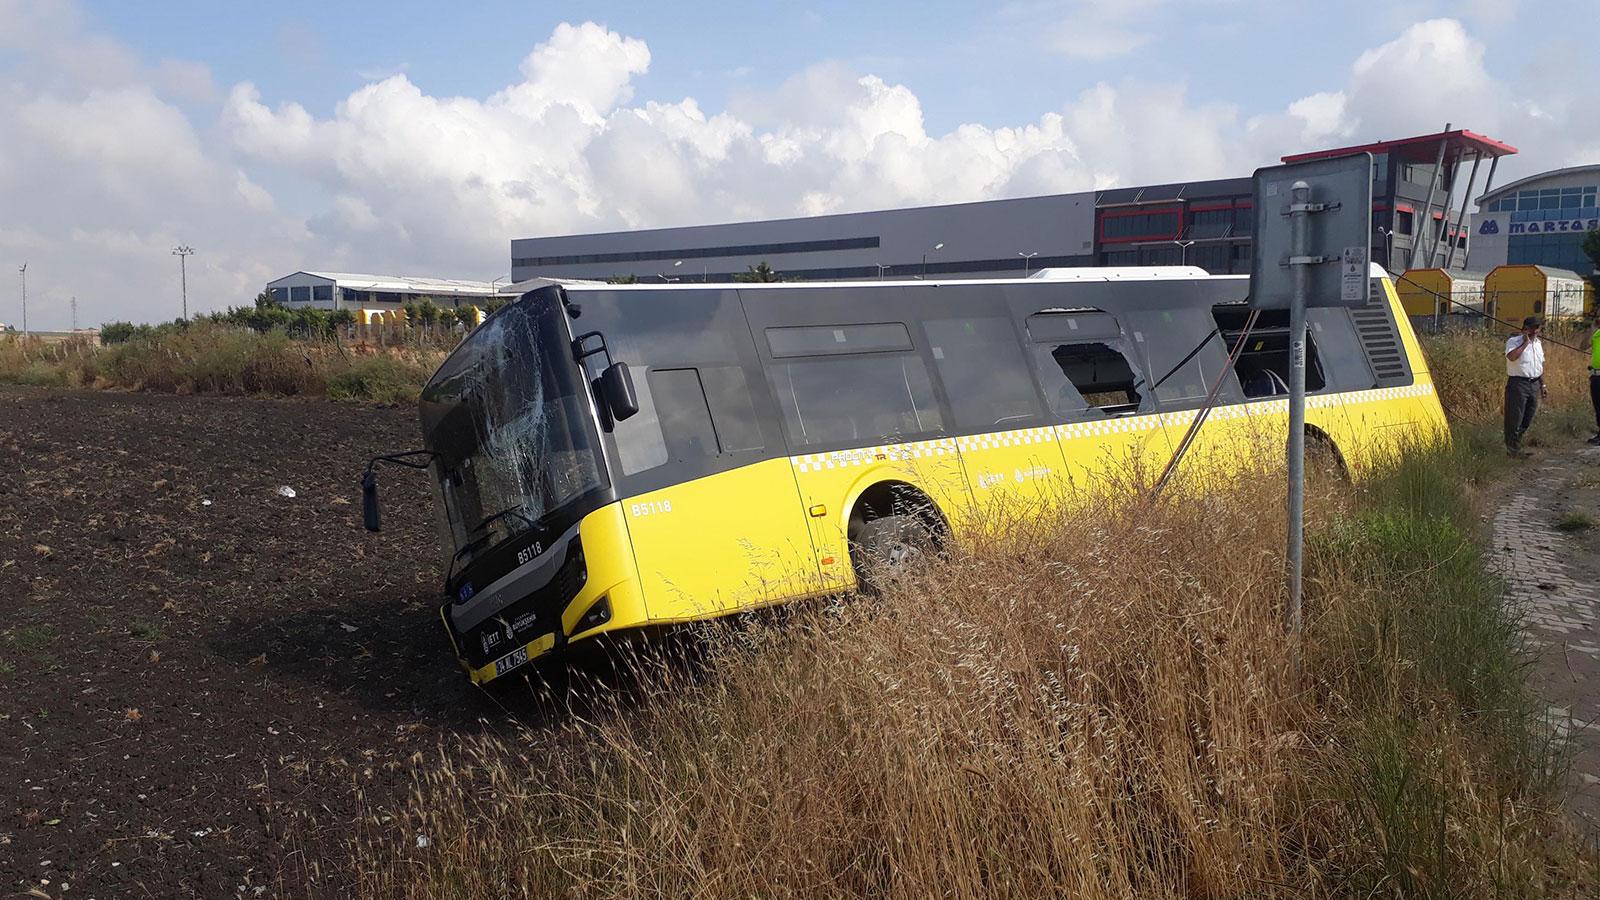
[112,165]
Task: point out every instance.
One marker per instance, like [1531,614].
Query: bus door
[858,408]
[1009,449]
[711,506]
[1111,437]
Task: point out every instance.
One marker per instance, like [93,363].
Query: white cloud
[1098,30]
[112,161]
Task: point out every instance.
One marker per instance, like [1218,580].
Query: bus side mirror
[616,385]
[369,501]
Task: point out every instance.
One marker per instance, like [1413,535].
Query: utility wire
[1209,404]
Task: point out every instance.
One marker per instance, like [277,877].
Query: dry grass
[1102,705]
[1470,375]
[206,358]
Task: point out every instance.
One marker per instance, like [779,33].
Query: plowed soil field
[205,682]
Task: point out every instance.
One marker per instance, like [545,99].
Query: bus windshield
[509,417]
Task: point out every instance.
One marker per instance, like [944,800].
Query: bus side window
[1263,365]
[733,414]
[680,402]
[1093,378]
[860,400]
[987,381]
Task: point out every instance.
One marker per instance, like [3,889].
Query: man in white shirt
[1524,382]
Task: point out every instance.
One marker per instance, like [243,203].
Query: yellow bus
[613,456]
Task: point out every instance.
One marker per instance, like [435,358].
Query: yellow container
[1424,292]
[1515,292]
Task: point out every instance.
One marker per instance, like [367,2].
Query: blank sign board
[1339,234]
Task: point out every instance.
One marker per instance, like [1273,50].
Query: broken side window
[1083,366]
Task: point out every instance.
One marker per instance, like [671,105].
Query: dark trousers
[1522,401]
[1594,396]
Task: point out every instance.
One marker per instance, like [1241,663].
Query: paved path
[1554,577]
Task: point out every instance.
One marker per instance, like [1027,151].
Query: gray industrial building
[1420,190]
[985,239]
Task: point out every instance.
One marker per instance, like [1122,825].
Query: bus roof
[1086,274]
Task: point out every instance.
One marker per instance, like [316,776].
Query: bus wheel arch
[892,524]
[1322,452]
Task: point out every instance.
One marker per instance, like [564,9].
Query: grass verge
[207,358]
[1099,705]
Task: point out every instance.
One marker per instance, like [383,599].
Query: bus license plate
[510,661]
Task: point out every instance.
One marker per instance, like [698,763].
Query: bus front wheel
[885,548]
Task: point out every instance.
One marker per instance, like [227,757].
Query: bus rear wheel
[884,549]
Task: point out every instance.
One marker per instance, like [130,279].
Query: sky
[420,138]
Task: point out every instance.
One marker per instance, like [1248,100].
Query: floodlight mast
[23,271]
[183,252]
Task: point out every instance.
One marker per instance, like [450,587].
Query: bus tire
[1323,459]
[885,548]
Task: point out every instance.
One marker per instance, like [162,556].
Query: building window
[1126,226]
[1160,255]
[301,294]
[1403,221]
[322,292]
[1210,223]
[278,294]
[1244,221]
[1211,257]
[860,243]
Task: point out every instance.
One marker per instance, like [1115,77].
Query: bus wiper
[479,541]
[495,517]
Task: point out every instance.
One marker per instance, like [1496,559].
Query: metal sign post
[1320,260]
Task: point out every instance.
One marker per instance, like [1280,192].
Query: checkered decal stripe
[1019,438]
[838,459]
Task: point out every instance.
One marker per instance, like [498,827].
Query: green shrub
[386,379]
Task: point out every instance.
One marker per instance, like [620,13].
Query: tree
[467,314]
[759,273]
[341,317]
[623,279]
[264,300]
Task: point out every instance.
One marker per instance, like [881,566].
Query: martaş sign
[1560,225]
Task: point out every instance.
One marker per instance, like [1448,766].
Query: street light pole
[1027,258]
[183,253]
[24,273]
[936,247]
[1183,251]
[74,312]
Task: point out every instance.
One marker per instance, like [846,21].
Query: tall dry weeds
[1102,704]
[1099,705]
[207,358]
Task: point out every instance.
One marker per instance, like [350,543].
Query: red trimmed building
[1424,179]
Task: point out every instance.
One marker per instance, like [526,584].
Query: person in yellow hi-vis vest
[1594,375]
